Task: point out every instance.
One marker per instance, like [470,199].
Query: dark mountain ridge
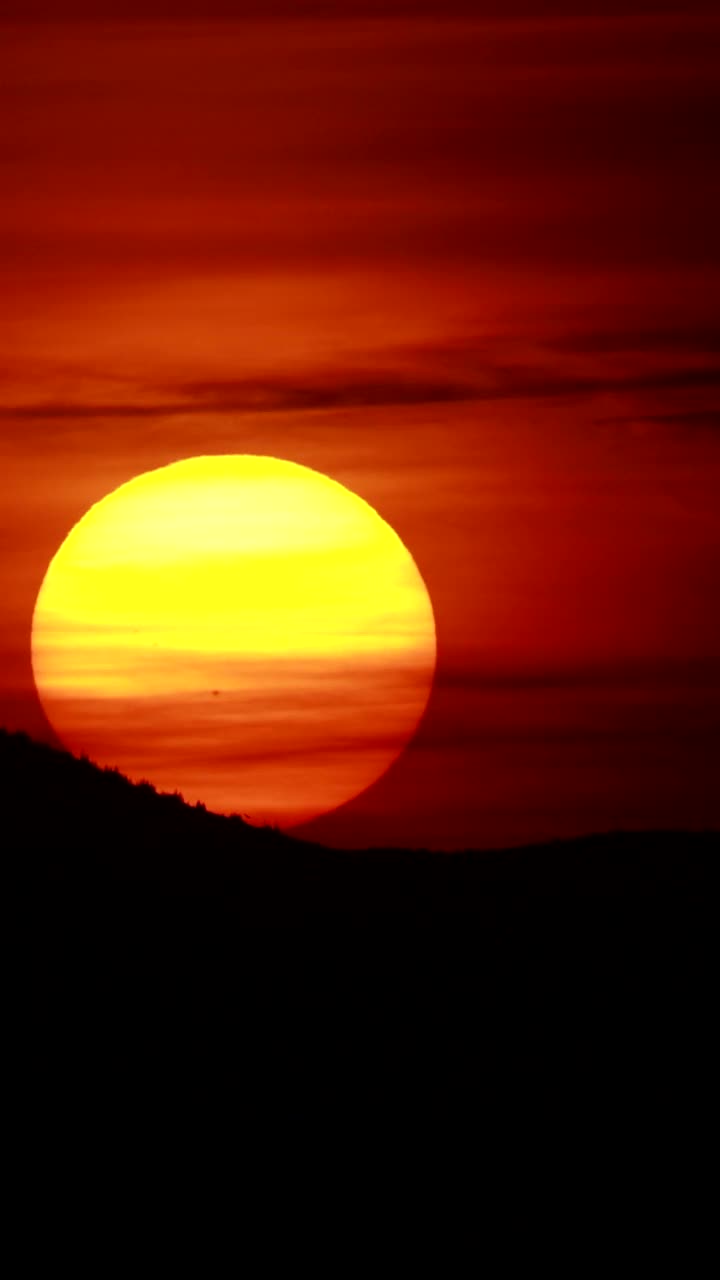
[146,922]
[82,825]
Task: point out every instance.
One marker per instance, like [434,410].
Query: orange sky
[468,267]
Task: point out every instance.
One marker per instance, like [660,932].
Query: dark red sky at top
[465,259]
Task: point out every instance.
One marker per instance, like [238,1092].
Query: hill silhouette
[83,829]
[136,910]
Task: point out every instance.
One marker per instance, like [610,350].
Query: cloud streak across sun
[242,600]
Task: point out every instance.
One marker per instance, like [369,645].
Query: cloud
[701,339]
[621,674]
[341,390]
[344,10]
[320,389]
[467,370]
[70,410]
[695,420]
[535,382]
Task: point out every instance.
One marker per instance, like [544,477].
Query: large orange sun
[241,629]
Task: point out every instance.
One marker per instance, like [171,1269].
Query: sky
[464,259]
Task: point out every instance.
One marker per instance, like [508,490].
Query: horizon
[246,829]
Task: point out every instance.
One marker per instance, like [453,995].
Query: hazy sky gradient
[468,267]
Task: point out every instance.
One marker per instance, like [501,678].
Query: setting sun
[241,629]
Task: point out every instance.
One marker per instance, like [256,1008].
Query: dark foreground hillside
[81,831]
[135,906]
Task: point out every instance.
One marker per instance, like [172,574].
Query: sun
[241,629]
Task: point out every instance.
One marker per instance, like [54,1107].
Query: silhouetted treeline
[136,909]
[75,821]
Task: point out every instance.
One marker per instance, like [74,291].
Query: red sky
[468,265]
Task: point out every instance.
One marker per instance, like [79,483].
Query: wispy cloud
[700,420]
[489,10]
[254,395]
[620,674]
[466,371]
[686,339]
